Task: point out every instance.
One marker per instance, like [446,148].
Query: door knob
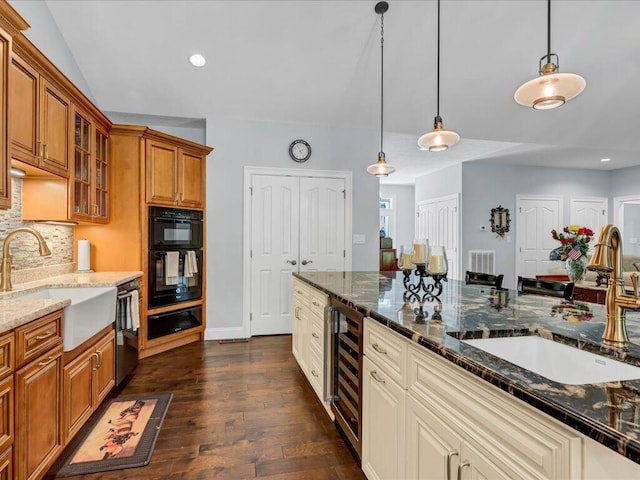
[293,262]
[304,262]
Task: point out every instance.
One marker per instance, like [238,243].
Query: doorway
[294,222]
[438,220]
[536,216]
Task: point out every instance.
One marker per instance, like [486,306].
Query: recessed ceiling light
[605,159]
[197,60]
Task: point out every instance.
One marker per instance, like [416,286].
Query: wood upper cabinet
[162,169]
[40,116]
[87,380]
[5,177]
[89,179]
[190,179]
[174,176]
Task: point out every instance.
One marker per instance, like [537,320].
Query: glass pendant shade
[550,90]
[438,140]
[381,168]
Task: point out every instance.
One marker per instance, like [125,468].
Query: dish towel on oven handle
[171,268]
[133,320]
[190,264]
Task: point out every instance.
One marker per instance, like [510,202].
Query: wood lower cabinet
[38,396]
[6,465]
[87,380]
[38,408]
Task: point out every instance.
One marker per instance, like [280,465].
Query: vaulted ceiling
[318,62]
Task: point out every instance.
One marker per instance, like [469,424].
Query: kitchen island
[608,413]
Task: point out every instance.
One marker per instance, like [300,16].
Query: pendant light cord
[381,77]
[548,31]
[438,68]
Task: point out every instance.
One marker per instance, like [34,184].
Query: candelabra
[422,291]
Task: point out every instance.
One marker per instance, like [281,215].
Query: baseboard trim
[224,333]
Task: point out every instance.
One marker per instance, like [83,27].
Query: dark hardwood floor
[239,411]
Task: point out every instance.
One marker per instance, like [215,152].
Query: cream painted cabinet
[425,418]
[500,437]
[307,342]
[383,413]
[384,383]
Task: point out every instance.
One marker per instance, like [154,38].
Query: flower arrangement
[574,242]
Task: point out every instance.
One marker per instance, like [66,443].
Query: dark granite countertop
[608,413]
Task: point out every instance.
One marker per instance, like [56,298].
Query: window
[388,215]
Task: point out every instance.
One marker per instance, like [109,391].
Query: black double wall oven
[175,269]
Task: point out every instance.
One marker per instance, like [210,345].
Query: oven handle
[331,322]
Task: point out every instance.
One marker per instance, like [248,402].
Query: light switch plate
[359,239]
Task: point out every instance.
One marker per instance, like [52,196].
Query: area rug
[121,434]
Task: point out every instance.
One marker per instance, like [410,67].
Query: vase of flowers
[574,246]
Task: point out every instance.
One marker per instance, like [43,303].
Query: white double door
[297,225]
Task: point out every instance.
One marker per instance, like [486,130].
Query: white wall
[439,183]
[240,143]
[405,208]
[45,35]
[486,186]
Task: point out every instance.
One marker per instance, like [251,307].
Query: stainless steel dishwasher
[127,322]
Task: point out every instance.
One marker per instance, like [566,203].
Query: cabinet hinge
[250,253]
[251,190]
[344,194]
[250,316]
[520,209]
[344,254]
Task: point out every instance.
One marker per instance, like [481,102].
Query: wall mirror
[500,220]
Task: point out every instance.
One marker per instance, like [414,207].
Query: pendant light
[381,168]
[438,140]
[551,89]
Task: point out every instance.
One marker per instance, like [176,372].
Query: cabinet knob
[315,335]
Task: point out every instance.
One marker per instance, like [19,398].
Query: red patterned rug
[121,434]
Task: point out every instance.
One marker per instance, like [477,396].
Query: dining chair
[545,287]
[479,278]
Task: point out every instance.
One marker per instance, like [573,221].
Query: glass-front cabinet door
[81,207]
[89,182]
[101,177]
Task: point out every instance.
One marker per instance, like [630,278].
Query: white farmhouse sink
[91,310]
[556,361]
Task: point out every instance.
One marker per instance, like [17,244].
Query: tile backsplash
[24,247]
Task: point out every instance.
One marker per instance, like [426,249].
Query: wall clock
[299,151]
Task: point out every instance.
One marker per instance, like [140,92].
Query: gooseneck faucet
[5,282]
[607,258]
